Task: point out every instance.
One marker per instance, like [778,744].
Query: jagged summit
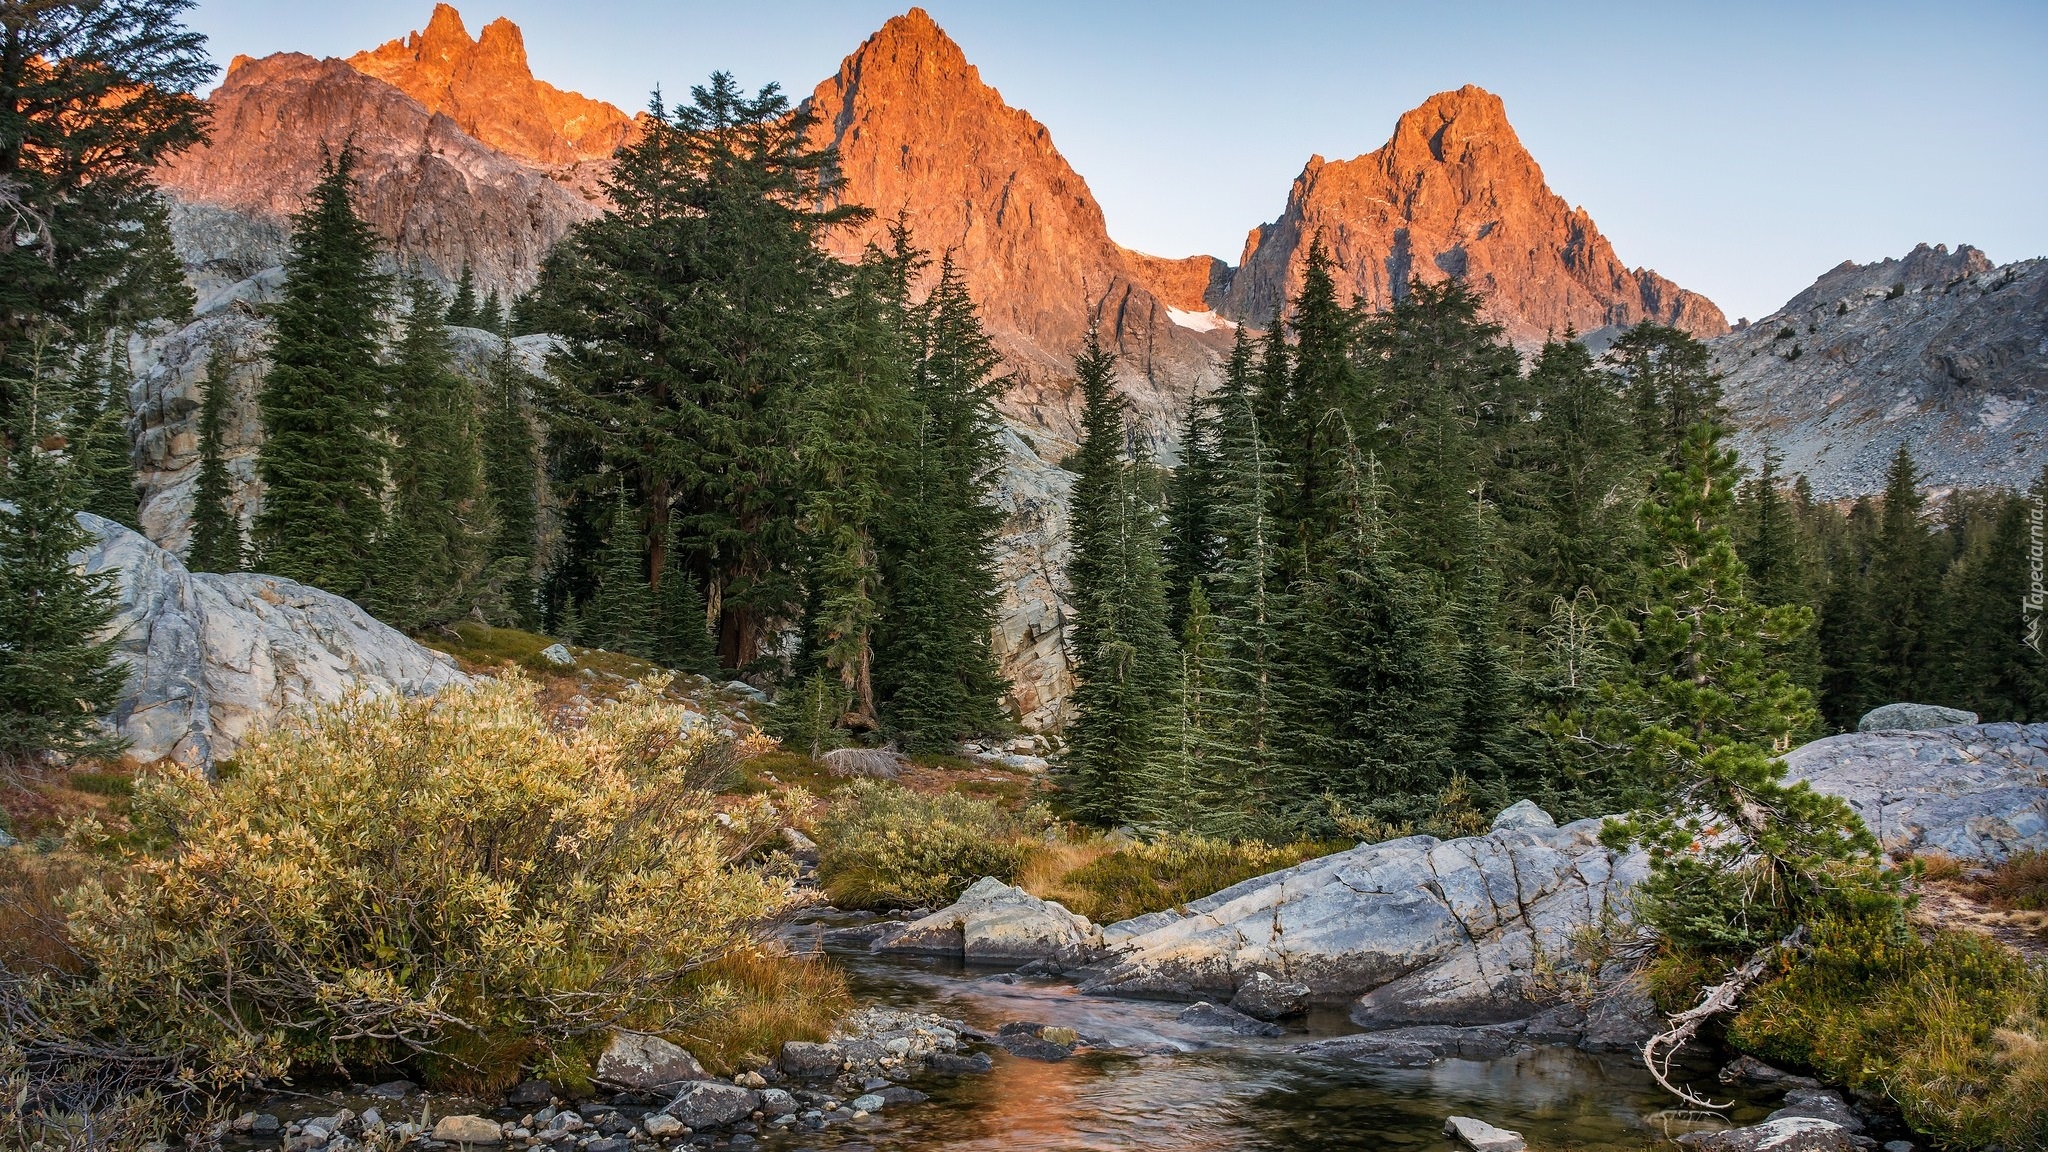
[486,86]
[920,133]
[1454,193]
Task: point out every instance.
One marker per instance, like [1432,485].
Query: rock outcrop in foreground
[1414,931]
[1941,352]
[1976,793]
[213,657]
[1453,948]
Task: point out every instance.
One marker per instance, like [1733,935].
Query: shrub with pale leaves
[447,882]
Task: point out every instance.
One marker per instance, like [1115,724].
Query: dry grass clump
[749,1002]
[446,883]
[1953,1027]
[1117,882]
[2020,883]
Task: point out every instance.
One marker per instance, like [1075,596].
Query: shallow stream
[1168,1086]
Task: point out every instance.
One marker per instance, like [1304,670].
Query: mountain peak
[1454,193]
[486,86]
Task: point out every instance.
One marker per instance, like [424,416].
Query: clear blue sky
[1740,149]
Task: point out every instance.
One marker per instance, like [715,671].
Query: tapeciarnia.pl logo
[2030,608]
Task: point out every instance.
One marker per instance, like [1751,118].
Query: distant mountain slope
[437,194]
[1940,351]
[1454,193]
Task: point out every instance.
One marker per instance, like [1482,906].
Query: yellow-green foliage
[883,846]
[444,881]
[1156,875]
[1953,1028]
[749,1002]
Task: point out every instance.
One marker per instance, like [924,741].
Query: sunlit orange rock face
[920,134]
[487,88]
[1455,193]
[438,195]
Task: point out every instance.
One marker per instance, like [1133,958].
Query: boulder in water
[1480,1136]
[1913,718]
[1788,1134]
[1263,996]
[1203,1014]
[994,923]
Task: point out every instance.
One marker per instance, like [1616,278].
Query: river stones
[467,1130]
[1750,1072]
[1262,996]
[1787,1134]
[1037,1041]
[1975,793]
[1203,1014]
[1819,1104]
[807,1061]
[639,1062]
[1913,717]
[713,1104]
[1480,1136]
[994,923]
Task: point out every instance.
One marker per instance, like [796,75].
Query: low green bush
[884,846]
[1953,1028]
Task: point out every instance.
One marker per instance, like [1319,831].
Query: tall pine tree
[938,672]
[1122,654]
[511,468]
[105,470]
[217,544]
[323,456]
[441,520]
[58,674]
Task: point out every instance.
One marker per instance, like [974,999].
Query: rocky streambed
[1360,1000]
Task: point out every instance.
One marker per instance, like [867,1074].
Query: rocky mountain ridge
[1454,193]
[1941,351]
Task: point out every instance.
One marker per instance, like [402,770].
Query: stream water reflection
[1168,1086]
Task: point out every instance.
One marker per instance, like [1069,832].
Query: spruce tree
[1366,702]
[1904,576]
[1985,661]
[1489,743]
[1190,540]
[490,315]
[687,311]
[682,638]
[217,544]
[511,466]
[104,467]
[441,520]
[855,418]
[323,455]
[935,643]
[1737,855]
[1567,485]
[1670,386]
[619,616]
[96,93]
[1187,781]
[462,310]
[1244,669]
[58,674]
[1321,391]
[1771,540]
[1122,654]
